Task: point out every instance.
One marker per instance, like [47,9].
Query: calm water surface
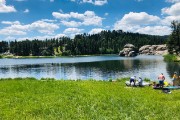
[95,67]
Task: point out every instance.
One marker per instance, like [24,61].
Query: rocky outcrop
[129,50]
[153,50]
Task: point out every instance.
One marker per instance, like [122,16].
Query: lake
[89,67]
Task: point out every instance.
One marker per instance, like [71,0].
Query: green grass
[84,100]
[170,57]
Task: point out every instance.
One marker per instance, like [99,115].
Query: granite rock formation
[153,50]
[129,50]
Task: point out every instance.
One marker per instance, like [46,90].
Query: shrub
[170,57]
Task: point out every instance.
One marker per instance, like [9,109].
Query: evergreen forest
[105,42]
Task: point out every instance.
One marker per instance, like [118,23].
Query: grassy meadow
[84,100]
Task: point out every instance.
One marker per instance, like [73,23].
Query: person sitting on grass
[133,79]
[155,85]
[140,80]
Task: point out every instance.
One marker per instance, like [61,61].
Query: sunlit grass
[170,57]
[64,99]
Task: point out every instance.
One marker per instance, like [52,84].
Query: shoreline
[24,57]
[53,79]
[71,56]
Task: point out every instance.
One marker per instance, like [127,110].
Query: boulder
[129,50]
[153,50]
[129,46]
[161,48]
[145,47]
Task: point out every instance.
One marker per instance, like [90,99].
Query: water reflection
[100,68]
[173,67]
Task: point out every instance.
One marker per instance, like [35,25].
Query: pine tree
[174,39]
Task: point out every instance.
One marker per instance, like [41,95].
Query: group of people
[133,79]
[161,79]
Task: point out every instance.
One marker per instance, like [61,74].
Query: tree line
[105,42]
[173,42]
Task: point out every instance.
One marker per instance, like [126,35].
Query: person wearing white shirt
[133,79]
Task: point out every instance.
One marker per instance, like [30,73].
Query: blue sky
[41,19]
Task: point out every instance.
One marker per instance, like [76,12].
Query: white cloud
[16,28]
[95,30]
[71,23]
[141,18]
[9,38]
[26,11]
[173,1]
[20,0]
[106,14]
[73,31]
[171,13]
[100,2]
[155,30]
[48,20]
[87,1]
[167,20]
[174,10]
[44,27]
[10,31]
[94,2]
[87,18]
[107,27]
[5,8]
[60,15]
[91,19]
[77,15]
[133,20]
[142,23]
[139,0]
[60,35]
[10,22]
[51,0]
